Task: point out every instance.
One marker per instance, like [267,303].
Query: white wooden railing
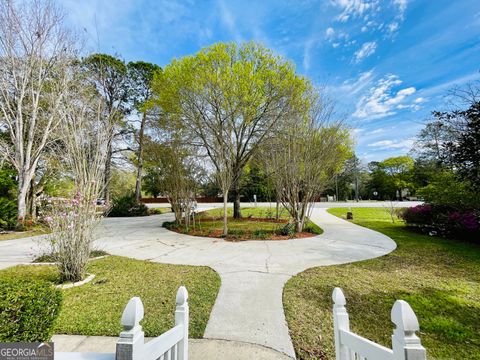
[171,345]
[350,346]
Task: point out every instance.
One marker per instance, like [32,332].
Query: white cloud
[402,6]
[376,131]
[401,95]
[329,32]
[382,101]
[366,50]
[308,46]
[355,85]
[419,100]
[404,145]
[354,8]
[393,27]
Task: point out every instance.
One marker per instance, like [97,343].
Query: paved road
[249,305]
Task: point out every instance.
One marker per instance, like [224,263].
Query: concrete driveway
[249,305]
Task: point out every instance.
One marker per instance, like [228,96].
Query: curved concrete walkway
[249,305]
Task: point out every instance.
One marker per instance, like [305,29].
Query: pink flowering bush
[72,222]
[445,221]
[420,214]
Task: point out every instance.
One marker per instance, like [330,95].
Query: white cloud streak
[404,145]
[366,50]
[381,100]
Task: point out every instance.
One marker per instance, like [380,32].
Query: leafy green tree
[153,161]
[446,189]
[380,183]
[256,182]
[8,182]
[140,77]
[390,177]
[8,192]
[152,181]
[230,98]
[398,171]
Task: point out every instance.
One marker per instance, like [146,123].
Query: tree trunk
[31,200]
[277,209]
[299,226]
[108,171]
[225,214]
[22,201]
[237,214]
[138,183]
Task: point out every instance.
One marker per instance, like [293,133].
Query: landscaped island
[438,277]
[257,223]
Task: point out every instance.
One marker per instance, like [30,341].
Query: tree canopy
[230,98]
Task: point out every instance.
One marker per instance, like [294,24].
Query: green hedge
[128,206]
[28,310]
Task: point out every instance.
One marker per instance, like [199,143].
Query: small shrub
[463,225]
[287,230]
[170,225]
[28,310]
[126,206]
[260,234]
[8,214]
[418,215]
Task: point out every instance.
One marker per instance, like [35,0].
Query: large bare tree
[35,53]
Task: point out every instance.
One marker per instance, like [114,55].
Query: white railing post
[131,341]
[340,322]
[182,318]
[405,343]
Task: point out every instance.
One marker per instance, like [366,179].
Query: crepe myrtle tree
[230,98]
[83,152]
[36,52]
[304,156]
[109,77]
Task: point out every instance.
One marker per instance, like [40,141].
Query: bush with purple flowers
[445,221]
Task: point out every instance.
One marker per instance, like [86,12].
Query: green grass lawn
[11,235]
[439,278]
[96,308]
[258,223]
[159,210]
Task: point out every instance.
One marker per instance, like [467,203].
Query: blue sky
[386,64]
